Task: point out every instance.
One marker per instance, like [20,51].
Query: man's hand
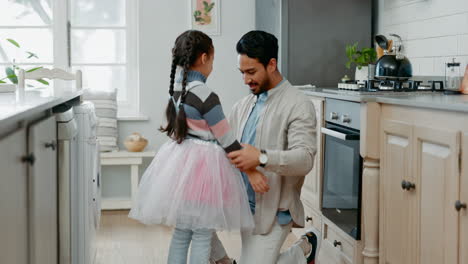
[246,158]
[258,181]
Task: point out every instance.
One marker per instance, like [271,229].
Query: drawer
[328,254]
[335,238]
[312,218]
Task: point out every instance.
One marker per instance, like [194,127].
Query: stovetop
[371,86]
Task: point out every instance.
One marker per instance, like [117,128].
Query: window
[30,24]
[97,36]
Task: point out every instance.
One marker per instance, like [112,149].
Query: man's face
[255,75]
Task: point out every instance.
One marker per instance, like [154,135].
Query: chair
[55,73]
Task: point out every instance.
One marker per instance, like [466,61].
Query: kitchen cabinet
[311,190]
[28,195]
[464,199]
[43,215]
[312,184]
[13,198]
[422,180]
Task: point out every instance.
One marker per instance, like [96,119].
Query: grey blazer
[286,130]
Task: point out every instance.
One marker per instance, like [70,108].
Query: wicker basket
[135,145]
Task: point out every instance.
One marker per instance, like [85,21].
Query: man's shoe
[313,237]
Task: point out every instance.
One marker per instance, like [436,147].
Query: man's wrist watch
[263,158]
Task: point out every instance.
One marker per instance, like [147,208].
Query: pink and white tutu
[193,185]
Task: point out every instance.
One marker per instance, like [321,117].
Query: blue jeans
[201,246]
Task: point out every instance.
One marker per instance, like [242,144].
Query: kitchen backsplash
[433,31]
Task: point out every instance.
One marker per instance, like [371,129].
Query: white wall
[160,23]
[433,31]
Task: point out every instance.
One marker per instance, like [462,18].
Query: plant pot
[371,72]
[361,74]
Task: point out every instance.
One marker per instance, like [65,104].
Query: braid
[173,71]
[170,109]
[181,123]
[188,47]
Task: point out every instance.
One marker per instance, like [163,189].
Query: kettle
[392,65]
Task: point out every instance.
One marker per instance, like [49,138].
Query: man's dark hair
[260,45]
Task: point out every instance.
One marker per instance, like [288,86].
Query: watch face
[263,158]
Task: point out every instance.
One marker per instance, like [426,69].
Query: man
[277,125]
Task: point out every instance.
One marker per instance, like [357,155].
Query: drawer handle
[30,158]
[336,243]
[459,205]
[51,145]
[308,219]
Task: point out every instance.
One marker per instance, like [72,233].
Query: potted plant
[363,59]
[12,71]
[205,18]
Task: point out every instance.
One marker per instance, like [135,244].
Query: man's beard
[264,87]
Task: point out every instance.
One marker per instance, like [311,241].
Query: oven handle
[339,135]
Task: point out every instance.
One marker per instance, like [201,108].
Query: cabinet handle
[30,158]
[406,185]
[403,184]
[410,185]
[459,205]
[51,145]
[336,243]
[308,219]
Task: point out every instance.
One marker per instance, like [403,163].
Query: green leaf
[361,57]
[12,41]
[2,81]
[43,81]
[30,55]
[34,69]
[11,75]
[209,8]
[205,4]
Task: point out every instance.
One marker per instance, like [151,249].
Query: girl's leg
[201,246]
[179,246]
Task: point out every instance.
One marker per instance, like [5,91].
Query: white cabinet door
[311,189]
[436,153]
[42,138]
[397,206]
[13,199]
[463,210]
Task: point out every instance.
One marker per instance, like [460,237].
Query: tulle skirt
[193,185]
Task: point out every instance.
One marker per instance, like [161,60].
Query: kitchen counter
[35,101]
[431,100]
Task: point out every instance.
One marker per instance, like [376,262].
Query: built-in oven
[342,173]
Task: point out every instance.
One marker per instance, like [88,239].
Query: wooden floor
[121,240]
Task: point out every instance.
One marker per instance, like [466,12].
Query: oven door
[341,202]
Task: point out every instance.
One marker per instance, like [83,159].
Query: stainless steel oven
[341,192]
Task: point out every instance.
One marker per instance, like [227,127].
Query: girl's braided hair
[187,48]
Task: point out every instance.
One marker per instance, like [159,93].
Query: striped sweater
[205,116]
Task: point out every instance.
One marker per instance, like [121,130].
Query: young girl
[191,184]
